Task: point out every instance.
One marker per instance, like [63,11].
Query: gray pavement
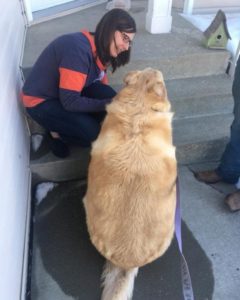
[67,266]
[215,228]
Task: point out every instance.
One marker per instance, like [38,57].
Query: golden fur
[131,196]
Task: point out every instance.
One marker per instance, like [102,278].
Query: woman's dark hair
[114,20]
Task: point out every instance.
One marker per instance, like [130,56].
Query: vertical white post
[28,10]
[188,7]
[234,61]
[159,19]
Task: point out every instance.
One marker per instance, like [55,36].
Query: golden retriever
[131,195]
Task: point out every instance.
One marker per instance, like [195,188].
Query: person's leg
[81,128]
[98,90]
[229,168]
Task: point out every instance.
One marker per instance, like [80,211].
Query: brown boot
[233,201]
[209,176]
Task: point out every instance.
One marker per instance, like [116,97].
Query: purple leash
[186,278]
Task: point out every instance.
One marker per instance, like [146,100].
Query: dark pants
[80,128]
[229,168]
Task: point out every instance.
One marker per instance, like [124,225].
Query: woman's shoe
[57,146]
[233,201]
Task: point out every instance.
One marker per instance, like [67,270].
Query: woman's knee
[98,90]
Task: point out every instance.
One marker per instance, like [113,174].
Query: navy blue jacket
[65,67]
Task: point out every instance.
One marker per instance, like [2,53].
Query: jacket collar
[94,50]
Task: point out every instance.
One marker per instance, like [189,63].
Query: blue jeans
[80,128]
[229,167]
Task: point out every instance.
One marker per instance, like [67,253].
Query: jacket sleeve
[73,101]
[73,71]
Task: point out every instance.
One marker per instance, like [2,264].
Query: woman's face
[121,42]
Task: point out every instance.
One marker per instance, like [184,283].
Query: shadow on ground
[69,258]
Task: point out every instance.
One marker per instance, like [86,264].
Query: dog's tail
[117,283]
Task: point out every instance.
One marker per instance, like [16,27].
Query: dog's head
[149,89]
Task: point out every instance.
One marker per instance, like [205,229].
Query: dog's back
[131,197]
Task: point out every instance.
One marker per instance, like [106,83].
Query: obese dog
[131,195]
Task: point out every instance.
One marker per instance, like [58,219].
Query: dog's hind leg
[117,283]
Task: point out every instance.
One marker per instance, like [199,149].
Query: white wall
[206,6]
[42,4]
[216,3]
[14,153]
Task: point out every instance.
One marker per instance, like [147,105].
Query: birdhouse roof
[219,18]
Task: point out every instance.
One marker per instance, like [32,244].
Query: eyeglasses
[126,39]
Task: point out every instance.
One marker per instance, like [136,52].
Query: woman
[66,91]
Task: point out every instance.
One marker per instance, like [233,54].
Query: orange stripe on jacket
[71,80]
[94,50]
[31,101]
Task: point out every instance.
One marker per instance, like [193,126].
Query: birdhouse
[217,35]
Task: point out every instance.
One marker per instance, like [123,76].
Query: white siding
[14,153]
[206,6]
[216,3]
[43,4]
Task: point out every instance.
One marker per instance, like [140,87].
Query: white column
[28,10]
[188,7]
[234,61]
[159,19]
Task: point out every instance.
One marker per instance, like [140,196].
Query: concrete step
[203,128]
[51,168]
[198,87]
[202,106]
[197,139]
[179,65]
[184,66]
[201,139]
[202,109]
[199,96]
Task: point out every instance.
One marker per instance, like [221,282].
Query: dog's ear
[159,89]
[163,103]
[131,77]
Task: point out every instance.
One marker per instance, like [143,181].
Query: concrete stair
[203,114]
[51,168]
[198,88]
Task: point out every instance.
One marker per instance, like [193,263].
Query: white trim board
[26,242]
[62,10]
